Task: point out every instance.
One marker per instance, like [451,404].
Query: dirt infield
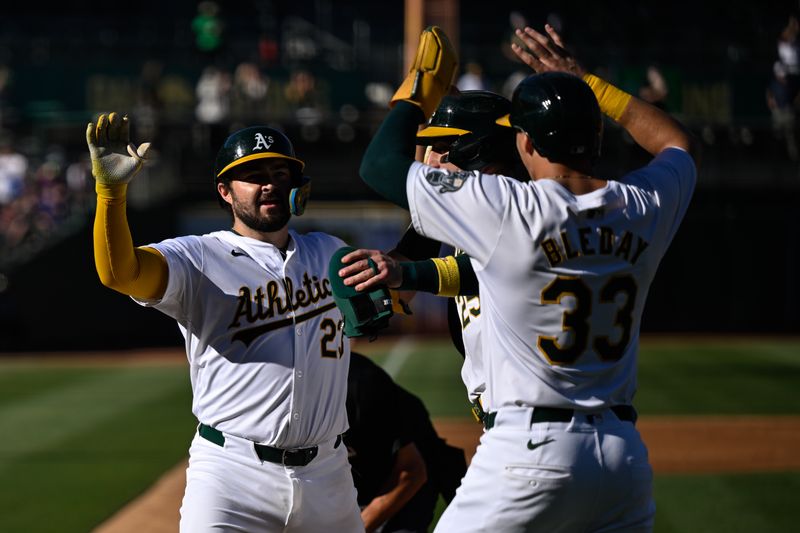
[678,445]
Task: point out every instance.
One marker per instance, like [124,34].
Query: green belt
[556,414]
[296,457]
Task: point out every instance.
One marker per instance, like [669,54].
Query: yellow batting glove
[115,160]
[431,74]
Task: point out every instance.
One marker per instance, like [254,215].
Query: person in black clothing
[400,465]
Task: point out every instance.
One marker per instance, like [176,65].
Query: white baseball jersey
[469,315]
[268,359]
[563,277]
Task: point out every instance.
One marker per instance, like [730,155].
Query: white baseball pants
[591,474]
[229,488]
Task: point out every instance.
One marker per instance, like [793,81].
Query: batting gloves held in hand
[431,74]
[115,159]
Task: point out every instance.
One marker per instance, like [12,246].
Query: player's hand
[367,268]
[545,53]
[115,159]
[431,75]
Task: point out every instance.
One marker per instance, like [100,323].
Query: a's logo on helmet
[448,181]
[262,142]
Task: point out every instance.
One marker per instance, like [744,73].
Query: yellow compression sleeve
[612,100]
[138,272]
[449,277]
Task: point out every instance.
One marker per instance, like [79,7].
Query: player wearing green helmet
[268,360]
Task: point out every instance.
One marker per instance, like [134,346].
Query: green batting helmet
[560,114]
[468,118]
[259,142]
[256,142]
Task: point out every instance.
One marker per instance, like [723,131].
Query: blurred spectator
[43,196]
[13,166]
[789,55]
[177,97]
[305,97]
[472,79]
[51,186]
[782,107]
[80,184]
[654,89]
[207,28]
[512,81]
[15,223]
[148,107]
[782,91]
[44,206]
[213,95]
[5,84]
[267,50]
[248,96]
[213,92]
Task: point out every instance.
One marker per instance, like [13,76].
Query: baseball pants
[591,474]
[229,488]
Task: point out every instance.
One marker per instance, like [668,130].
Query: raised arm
[393,148]
[651,128]
[139,272]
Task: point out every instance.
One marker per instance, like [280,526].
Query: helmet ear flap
[298,196]
[465,153]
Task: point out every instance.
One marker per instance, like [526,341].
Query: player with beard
[268,361]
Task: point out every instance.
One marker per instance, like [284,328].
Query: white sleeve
[672,176]
[464,209]
[184,256]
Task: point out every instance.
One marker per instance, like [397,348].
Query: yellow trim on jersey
[449,277]
[612,100]
[505,120]
[138,272]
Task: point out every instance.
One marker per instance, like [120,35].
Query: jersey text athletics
[593,241]
[259,304]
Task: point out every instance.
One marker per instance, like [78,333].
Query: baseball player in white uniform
[460,135]
[564,263]
[267,358]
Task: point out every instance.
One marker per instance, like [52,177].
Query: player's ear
[224,192]
[224,197]
[524,144]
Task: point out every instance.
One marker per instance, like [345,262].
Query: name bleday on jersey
[593,240]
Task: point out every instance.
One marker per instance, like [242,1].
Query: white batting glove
[115,159]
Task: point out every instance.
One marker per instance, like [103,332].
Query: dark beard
[267,225]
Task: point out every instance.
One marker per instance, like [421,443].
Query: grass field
[80,440]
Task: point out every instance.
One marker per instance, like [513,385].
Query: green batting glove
[115,160]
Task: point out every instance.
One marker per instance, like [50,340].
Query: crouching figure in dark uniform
[400,464]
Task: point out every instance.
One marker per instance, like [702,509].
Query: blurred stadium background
[90,437]
[323,71]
